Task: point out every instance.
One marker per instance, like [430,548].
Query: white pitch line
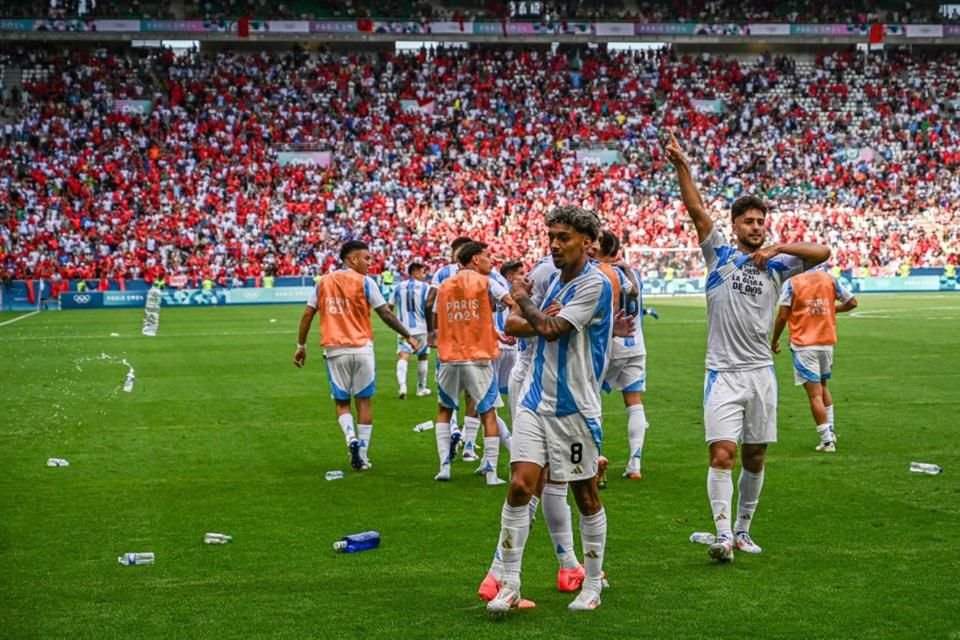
[18,318]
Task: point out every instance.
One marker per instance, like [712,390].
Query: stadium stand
[859,12]
[863,155]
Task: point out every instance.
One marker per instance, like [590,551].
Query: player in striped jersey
[627,372]
[410,304]
[559,409]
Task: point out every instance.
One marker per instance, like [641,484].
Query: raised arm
[688,190]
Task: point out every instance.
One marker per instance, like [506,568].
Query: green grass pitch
[222,433]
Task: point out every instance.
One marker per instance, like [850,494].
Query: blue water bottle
[357,542]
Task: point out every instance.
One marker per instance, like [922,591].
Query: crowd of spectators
[425,147]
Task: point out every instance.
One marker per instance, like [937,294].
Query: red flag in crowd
[243,27]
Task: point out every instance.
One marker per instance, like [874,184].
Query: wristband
[301,346]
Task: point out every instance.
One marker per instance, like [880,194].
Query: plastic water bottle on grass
[702,537]
[926,467]
[130,559]
[128,381]
[333,475]
[151,312]
[217,538]
[357,542]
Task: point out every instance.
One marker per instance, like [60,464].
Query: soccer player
[471,423]
[344,299]
[467,347]
[807,302]
[558,415]
[627,371]
[410,303]
[740,387]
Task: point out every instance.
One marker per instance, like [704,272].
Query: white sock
[505,437]
[830,414]
[453,419]
[720,492]
[443,442]
[422,374]
[364,431]
[496,567]
[346,425]
[402,373]
[593,536]
[470,428]
[491,453]
[636,429]
[533,504]
[826,432]
[515,526]
[749,489]
[556,513]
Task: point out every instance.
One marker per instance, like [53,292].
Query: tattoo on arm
[547,327]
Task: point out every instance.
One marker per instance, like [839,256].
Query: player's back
[465,329]
[344,310]
[635,344]
[410,300]
[813,315]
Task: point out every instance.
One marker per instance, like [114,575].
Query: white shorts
[741,406]
[569,444]
[351,375]
[627,374]
[812,365]
[475,378]
[403,347]
[503,365]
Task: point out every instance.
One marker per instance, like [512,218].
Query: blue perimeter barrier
[297,290]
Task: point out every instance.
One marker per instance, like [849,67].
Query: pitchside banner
[184,298]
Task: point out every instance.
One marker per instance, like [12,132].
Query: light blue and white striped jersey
[565,374]
[501,311]
[443,273]
[741,302]
[540,275]
[634,346]
[410,304]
